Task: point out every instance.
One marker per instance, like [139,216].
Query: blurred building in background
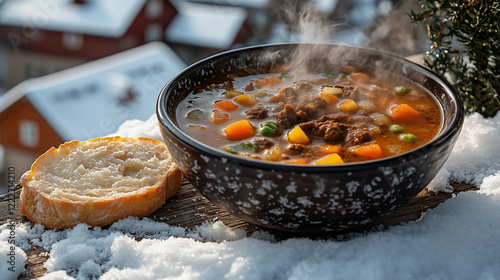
[84,102]
[201,30]
[40,37]
[43,37]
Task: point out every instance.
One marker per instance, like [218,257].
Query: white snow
[457,240]
[103,18]
[195,25]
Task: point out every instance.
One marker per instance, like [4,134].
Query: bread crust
[62,213]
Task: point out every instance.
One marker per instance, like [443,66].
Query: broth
[321,118]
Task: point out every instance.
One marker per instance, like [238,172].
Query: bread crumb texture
[98,181]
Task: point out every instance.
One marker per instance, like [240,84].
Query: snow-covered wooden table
[189,209]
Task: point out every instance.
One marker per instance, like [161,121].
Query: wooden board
[189,209]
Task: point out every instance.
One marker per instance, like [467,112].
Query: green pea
[286,76]
[271,124]
[396,128]
[334,75]
[269,128]
[267,131]
[401,90]
[231,149]
[240,147]
[408,137]
[249,146]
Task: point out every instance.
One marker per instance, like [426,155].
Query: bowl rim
[445,133]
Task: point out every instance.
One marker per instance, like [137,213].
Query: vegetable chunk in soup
[321,119]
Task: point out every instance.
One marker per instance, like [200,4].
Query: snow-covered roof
[109,18]
[206,25]
[89,100]
[253,4]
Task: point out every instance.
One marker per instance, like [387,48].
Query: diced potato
[349,106]
[298,136]
[380,118]
[273,154]
[219,117]
[232,93]
[246,99]
[331,90]
[331,159]
[368,106]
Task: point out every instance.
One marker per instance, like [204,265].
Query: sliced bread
[98,182]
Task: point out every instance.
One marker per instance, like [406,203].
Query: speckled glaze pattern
[299,197]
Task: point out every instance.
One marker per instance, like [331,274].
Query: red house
[75,31]
[83,102]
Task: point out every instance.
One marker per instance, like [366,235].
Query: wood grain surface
[189,209]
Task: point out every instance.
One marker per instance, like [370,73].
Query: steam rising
[312,29]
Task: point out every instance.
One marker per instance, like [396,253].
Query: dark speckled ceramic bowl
[306,198]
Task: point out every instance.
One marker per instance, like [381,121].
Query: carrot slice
[404,112]
[268,82]
[359,77]
[331,149]
[368,151]
[331,99]
[226,105]
[240,130]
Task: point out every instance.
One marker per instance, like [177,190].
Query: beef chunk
[357,135]
[348,91]
[289,91]
[279,107]
[297,149]
[263,143]
[278,98]
[339,128]
[329,131]
[313,107]
[335,118]
[311,129]
[346,119]
[303,87]
[249,87]
[334,131]
[257,113]
[288,117]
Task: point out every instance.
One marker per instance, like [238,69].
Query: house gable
[91,30]
[22,127]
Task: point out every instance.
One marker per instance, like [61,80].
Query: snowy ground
[457,240]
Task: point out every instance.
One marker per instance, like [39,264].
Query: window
[154,9]
[153,33]
[72,41]
[29,133]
